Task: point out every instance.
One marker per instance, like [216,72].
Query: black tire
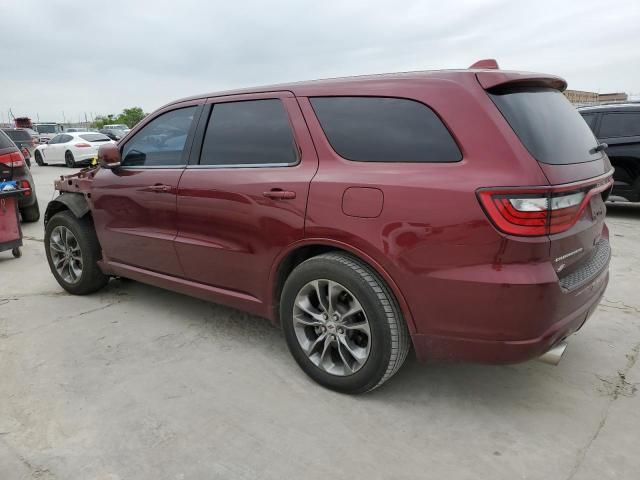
[69,160]
[31,214]
[39,161]
[91,279]
[16,252]
[389,335]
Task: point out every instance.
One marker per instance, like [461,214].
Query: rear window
[378,129]
[620,125]
[548,125]
[19,135]
[5,142]
[94,137]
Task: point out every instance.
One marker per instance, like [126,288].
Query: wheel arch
[75,202]
[308,248]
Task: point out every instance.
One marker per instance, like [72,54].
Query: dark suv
[618,125]
[461,212]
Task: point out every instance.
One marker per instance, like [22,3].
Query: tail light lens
[25,185]
[25,152]
[13,159]
[82,145]
[537,211]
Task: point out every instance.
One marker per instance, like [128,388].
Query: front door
[134,206]
[242,199]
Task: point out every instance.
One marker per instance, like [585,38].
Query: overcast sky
[91,57]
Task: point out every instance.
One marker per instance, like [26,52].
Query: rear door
[242,199]
[134,206]
[567,152]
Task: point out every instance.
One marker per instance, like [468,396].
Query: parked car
[12,161]
[72,149]
[47,130]
[23,140]
[618,125]
[461,212]
[113,134]
[76,129]
[118,126]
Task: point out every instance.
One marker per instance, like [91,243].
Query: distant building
[581,97]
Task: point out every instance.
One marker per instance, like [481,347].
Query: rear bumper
[430,347]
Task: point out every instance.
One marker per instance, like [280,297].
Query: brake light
[82,145]
[537,211]
[25,185]
[13,159]
[25,152]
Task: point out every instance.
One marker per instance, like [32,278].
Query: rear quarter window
[620,125]
[380,129]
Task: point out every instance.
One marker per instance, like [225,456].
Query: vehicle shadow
[623,210]
[218,326]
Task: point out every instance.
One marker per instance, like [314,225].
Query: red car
[461,212]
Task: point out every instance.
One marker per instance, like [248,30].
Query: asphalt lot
[139,383]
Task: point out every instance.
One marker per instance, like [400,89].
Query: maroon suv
[461,212]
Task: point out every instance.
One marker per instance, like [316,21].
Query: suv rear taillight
[13,159]
[24,184]
[538,211]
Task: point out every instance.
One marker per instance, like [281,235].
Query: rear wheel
[69,160]
[342,324]
[73,251]
[31,213]
[39,160]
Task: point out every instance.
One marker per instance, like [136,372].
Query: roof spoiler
[508,79]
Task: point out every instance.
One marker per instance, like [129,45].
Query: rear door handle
[280,194]
[158,188]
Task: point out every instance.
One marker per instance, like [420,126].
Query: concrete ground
[140,383]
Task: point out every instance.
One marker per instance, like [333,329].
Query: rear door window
[380,129]
[620,125]
[253,132]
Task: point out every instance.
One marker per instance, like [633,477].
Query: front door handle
[277,194]
[158,188]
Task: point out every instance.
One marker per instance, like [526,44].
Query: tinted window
[548,125]
[65,138]
[255,132]
[620,125]
[94,137]
[19,135]
[5,142]
[591,120]
[376,129]
[56,139]
[160,142]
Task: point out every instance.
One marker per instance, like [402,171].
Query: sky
[64,59]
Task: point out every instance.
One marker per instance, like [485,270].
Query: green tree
[131,116]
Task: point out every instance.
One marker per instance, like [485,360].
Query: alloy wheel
[332,327]
[66,254]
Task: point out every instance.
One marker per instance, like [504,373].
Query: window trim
[606,114]
[442,121]
[188,144]
[204,124]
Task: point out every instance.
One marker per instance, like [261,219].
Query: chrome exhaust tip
[553,356]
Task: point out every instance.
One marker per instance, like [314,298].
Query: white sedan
[71,148]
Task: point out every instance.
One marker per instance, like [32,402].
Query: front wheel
[73,252]
[69,160]
[342,324]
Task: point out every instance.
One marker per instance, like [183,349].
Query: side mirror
[109,156]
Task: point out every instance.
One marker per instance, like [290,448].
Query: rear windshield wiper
[599,148]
